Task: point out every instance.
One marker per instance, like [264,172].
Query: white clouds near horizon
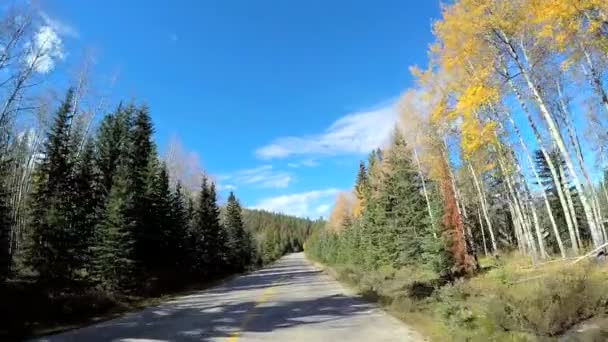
[303,204]
[354,133]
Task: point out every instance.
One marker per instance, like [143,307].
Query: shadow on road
[219,312]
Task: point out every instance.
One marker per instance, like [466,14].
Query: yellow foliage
[475,97]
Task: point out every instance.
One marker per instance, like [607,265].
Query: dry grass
[510,300]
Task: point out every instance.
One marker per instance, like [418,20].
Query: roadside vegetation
[476,221]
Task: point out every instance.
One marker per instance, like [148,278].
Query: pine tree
[163,235]
[142,163]
[239,241]
[112,144]
[181,220]
[400,216]
[209,235]
[51,251]
[114,249]
[88,206]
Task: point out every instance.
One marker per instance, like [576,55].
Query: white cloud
[45,49]
[306,162]
[59,26]
[354,133]
[264,176]
[303,204]
[323,209]
[226,187]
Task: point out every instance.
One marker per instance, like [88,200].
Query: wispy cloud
[45,49]
[303,204]
[264,177]
[355,133]
[226,187]
[323,209]
[306,162]
[62,28]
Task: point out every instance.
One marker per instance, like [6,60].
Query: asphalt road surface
[289,301]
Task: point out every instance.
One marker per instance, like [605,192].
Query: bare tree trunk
[550,165]
[483,235]
[484,209]
[558,238]
[555,134]
[581,163]
[594,78]
[426,195]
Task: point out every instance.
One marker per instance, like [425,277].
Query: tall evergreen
[180,246]
[87,199]
[112,144]
[400,216]
[54,235]
[210,236]
[239,241]
[142,163]
[114,249]
[163,235]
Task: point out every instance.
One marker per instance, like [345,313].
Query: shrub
[552,304]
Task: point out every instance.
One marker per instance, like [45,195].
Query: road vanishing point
[288,301]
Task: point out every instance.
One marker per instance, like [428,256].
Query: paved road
[289,301]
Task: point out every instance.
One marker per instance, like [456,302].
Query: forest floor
[508,300]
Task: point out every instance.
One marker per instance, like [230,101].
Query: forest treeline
[92,216]
[500,150]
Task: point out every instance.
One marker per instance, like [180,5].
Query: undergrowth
[509,300]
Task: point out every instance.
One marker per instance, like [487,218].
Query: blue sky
[279,99]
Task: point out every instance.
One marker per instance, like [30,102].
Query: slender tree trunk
[484,209]
[581,163]
[520,213]
[543,192]
[555,134]
[426,195]
[594,78]
[483,235]
[550,165]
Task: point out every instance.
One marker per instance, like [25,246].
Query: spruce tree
[112,145]
[239,241]
[142,163]
[87,198]
[181,220]
[162,235]
[52,250]
[210,236]
[114,248]
[401,218]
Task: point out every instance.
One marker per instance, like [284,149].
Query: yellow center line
[250,314]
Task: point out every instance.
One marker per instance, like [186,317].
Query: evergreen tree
[239,241]
[181,220]
[87,199]
[142,163]
[112,145]
[54,235]
[210,237]
[400,218]
[165,239]
[114,248]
